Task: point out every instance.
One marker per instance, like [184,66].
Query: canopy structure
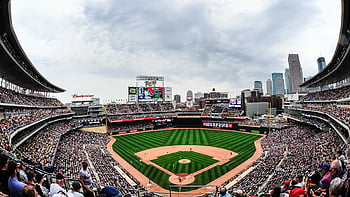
[338,68]
[15,66]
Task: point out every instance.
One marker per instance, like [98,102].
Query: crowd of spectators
[87,122]
[288,153]
[263,122]
[331,94]
[40,148]
[145,125]
[78,146]
[13,97]
[139,116]
[306,118]
[22,180]
[222,110]
[139,108]
[130,126]
[21,118]
[339,112]
[214,109]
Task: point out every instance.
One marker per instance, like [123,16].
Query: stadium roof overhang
[338,68]
[15,66]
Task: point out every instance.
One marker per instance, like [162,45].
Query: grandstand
[45,134]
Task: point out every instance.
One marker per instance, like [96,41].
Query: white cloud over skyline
[99,47]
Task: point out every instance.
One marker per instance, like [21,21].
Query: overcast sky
[100,46]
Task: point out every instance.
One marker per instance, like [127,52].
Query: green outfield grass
[198,161]
[242,143]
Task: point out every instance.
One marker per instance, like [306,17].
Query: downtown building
[287,80]
[321,62]
[269,87]
[277,84]
[295,73]
[258,86]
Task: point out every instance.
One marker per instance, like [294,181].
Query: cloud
[194,44]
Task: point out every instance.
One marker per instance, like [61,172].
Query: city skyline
[195,45]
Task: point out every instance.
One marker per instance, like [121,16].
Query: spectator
[324,169]
[76,186]
[223,192]
[29,191]
[276,191]
[42,191]
[285,187]
[4,173]
[335,170]
[56,188]
[296,191]
[300,181]
[336,187]
[30,177]
[14,185]
[22,173]
[109,192]
[85,178]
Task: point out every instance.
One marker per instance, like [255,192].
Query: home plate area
[161,158]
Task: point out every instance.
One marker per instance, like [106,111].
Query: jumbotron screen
[149,94]
[235,103]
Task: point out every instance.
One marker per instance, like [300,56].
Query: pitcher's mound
[184,161]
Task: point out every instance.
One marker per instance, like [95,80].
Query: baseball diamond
[232,149]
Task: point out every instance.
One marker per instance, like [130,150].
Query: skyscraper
[277,84]
[287,77]
[258,86]
[268,87]
[296,73]
[321,62]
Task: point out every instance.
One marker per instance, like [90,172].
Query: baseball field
[133,149]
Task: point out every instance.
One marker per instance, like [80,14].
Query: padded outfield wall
[198,122]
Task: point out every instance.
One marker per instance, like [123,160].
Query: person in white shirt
[56,188]
[85,179]
[76,186]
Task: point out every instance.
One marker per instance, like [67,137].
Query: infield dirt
[222,155]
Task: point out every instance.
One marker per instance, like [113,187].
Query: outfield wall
[198,122]
[195,122]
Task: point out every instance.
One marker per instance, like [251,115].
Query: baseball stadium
[153,146]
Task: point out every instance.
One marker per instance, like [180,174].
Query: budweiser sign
[81,96]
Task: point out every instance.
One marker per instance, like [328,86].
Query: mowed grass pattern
[198,162]
[242,143]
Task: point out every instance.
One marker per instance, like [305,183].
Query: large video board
[149,94]
[236,102]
